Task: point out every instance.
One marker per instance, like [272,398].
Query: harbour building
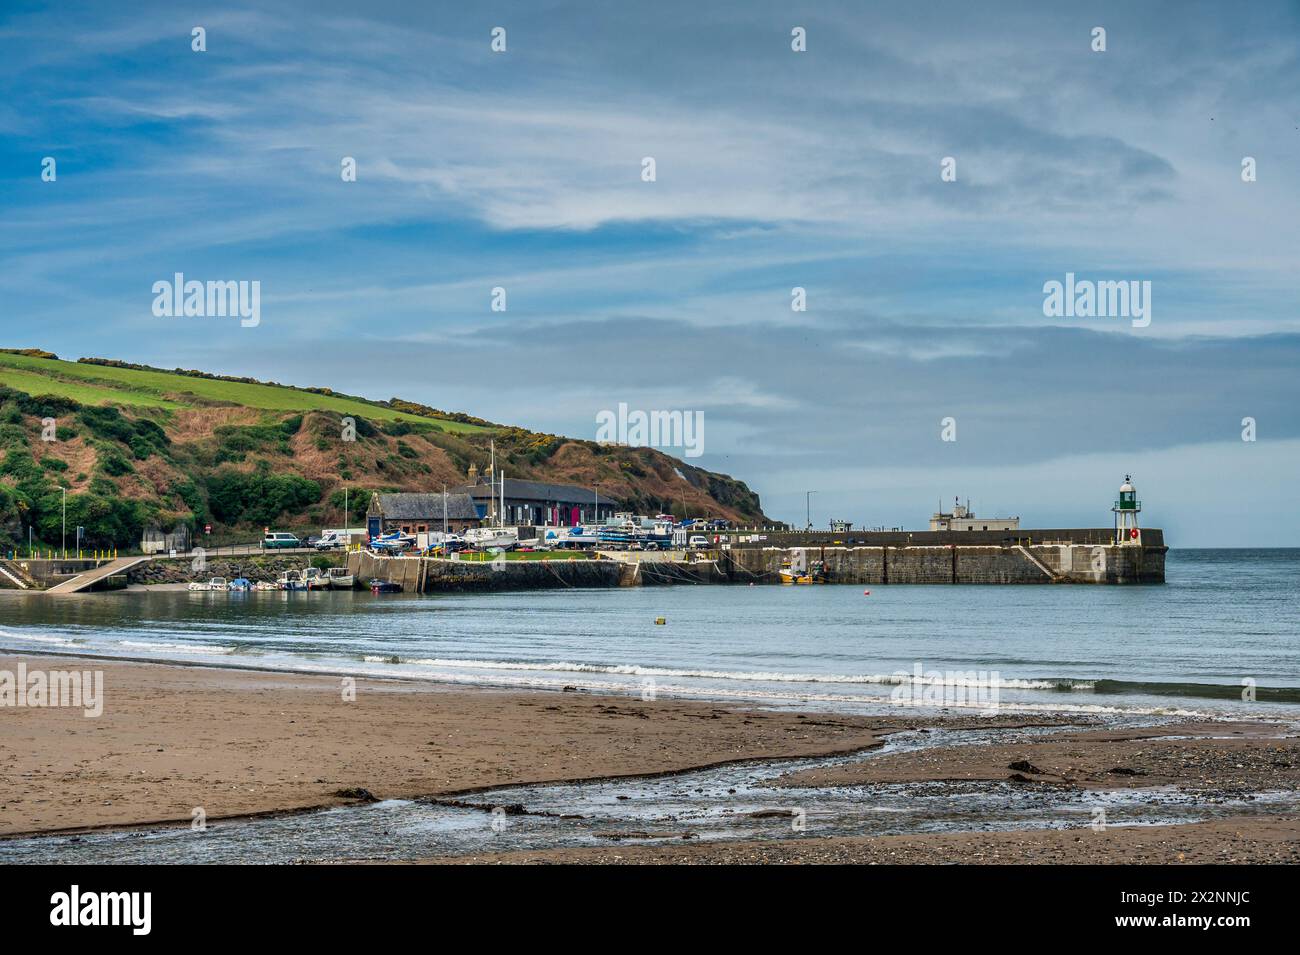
[962,518]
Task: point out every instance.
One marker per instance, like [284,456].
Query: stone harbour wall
[954,564]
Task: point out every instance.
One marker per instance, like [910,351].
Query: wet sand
[239,743]
[1244,841]
[1209,757]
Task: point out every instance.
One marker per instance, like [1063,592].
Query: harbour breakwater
[422,574]
[957,564]
[1043,563]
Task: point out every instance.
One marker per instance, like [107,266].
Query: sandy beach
[239,743]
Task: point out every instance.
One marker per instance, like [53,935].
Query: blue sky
[774,169]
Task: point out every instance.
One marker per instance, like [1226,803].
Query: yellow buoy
[660,621]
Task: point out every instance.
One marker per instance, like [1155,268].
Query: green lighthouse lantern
[1126,511]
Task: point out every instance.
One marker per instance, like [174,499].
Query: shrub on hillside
[19,465]
[112,462]
[258,498]
[142,436]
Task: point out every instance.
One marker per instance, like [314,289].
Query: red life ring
[1133,533]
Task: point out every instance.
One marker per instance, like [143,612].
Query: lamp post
[595,518]
[807,500]
[64,543]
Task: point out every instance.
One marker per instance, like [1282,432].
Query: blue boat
[393,542]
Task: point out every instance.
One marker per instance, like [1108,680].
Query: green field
[103,384]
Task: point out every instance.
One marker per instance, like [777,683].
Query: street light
[64,490]
[808,509]
[595,518]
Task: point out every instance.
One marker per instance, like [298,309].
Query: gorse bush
[258,498]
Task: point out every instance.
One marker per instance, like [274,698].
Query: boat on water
[213,583]
[291,580]
[338,578]
[240,584]
[814,573]
[384,587]
[314,579]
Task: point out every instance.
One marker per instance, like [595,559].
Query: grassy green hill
[134,446]
[98,383]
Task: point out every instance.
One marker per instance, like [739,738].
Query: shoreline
[245,744]
[1175,706]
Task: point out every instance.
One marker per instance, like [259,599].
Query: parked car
[279,540]
[697,541]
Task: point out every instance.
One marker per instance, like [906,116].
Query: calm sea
[1222,629]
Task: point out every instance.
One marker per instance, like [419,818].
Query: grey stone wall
[180,570]
[961,565]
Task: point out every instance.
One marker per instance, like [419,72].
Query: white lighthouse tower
[1126,514]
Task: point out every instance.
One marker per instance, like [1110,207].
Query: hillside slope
[134,446]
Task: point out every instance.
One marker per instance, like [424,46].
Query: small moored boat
[812,575]
[290,580]
[338,578]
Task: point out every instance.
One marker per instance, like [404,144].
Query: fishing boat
[338,578]
[384,587]
[814,574]
[240,584]
[314,579]
[290,580]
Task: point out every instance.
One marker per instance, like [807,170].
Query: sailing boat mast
[492,481]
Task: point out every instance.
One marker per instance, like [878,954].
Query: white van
[331,540]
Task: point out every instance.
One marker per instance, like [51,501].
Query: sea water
[1219,638]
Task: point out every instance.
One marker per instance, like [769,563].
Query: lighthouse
[1126,514]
